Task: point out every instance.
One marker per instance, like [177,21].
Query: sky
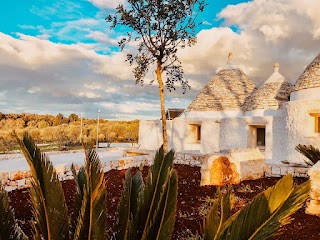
[62,57]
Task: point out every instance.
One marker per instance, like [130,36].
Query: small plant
[50,213]
[9,229]
[244,188]
[190,236]
[148,211]
[310,152]
[261,218]
[145,211]
[205,206]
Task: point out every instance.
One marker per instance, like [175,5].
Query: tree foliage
[160,28]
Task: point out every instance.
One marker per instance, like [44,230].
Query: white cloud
[284,31]
[107,3]
[133,107]
[102,38]
[39,75]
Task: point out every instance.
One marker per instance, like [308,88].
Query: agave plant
[261,218]
[310,152]
[49,209]
[148,211]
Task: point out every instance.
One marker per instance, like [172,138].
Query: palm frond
[262,217]
[168,211]
[9,229]
[122,227]
[46,194]
[155,199]
[92,216]
[310,152]
[218,214]
[128,205]
[80,180]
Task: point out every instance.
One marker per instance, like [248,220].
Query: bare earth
[193,203]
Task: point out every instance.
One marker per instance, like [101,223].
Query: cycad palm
[49,209]
[261,218]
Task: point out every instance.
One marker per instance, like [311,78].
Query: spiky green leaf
[169,210]
[46,194]
[262,217]
[91,220]
[122,227]
[80,180]
[9,229]
[218,214]
[153,198]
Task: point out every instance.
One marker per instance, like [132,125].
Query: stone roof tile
[226,91]
[275,91]
[310,78]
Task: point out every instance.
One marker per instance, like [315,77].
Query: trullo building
[230,112]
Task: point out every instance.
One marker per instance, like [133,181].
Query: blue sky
[61,56]
[49,19]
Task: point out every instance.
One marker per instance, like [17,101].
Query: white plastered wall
[233,133]
[210,132]
[306,94]
[150,134]
[210,136]
[180,136]
[279,140]
[301,127]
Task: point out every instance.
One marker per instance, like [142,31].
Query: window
[198,133]
[316,117]
[194,135]
[261,137]
[257,137]
[317,124]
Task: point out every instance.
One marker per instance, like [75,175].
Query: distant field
[63,133]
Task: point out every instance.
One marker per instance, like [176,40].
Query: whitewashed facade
[230,113]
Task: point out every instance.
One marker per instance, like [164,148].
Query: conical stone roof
[226,91]
[310,78]
[274,92]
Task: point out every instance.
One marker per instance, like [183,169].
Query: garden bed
[193,203]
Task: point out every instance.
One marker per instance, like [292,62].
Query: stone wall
[278,170]
[21,179]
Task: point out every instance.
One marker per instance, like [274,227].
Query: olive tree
[160,28]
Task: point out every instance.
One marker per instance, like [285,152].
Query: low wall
[21,179]
[278,170]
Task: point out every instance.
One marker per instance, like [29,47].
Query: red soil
[193,202]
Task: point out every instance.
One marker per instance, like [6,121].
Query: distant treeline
[64,131]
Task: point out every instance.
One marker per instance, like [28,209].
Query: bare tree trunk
[163,111]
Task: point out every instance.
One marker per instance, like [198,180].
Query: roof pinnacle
[230,56]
